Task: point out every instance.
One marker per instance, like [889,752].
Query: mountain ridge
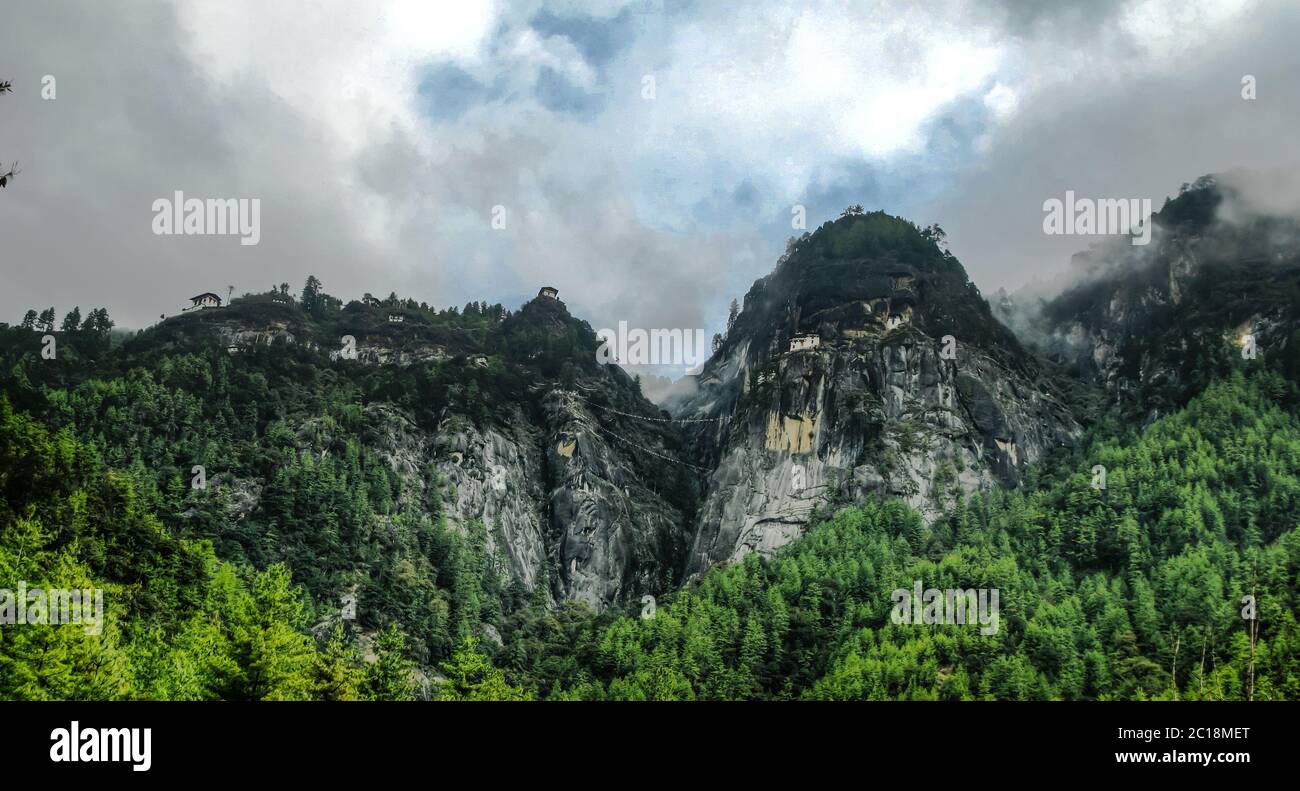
[866,365]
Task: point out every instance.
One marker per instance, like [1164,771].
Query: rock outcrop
[1150,325]
[866,365]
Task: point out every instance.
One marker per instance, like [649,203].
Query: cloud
[380,139]
[1269,193]
[322,118]
[1124,127]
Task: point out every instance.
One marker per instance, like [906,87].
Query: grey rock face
[561,501]
[868,413]
[865,366]
[496,479]
[851,374]
[615,537]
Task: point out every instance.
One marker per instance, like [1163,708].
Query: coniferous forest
[682,387]
[1134,591]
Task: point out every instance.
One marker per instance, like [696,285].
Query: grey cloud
[1140,136]
[134,121]
[658,231]
[1272,192]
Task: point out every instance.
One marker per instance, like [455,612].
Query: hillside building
[805,342]
[205,300]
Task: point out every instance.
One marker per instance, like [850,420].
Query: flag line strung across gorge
[629,442]
[670,459]
[641,417]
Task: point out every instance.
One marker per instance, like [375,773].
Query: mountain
[329,433]
[1153,325]
[867,365]
[506,512]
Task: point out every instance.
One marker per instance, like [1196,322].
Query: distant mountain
[477,474]
[866,365]
[1153,325]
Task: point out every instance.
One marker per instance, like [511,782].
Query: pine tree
[471,676]
[389,676]
[311,294]
[336,673]
[72,321]
[752,650]
[250,640]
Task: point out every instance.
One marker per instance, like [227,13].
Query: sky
[645,158]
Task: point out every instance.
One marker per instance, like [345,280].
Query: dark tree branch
[5,178]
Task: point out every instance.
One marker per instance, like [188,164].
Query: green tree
[72,321]
[471,676]
[311,294]
[389,676]
[337,672]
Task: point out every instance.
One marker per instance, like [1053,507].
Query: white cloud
[1002,100]
[532,52]
[830,81]
[1171,28]
[319,113]
[418,28]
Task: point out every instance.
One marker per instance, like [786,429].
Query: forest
[1176,580]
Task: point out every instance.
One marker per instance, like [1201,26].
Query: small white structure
[396,318]
[548,291]
[894,322]
[205,300]
[805,342]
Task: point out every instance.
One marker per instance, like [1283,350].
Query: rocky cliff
[866,365]
[483,417]
[1151,325]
